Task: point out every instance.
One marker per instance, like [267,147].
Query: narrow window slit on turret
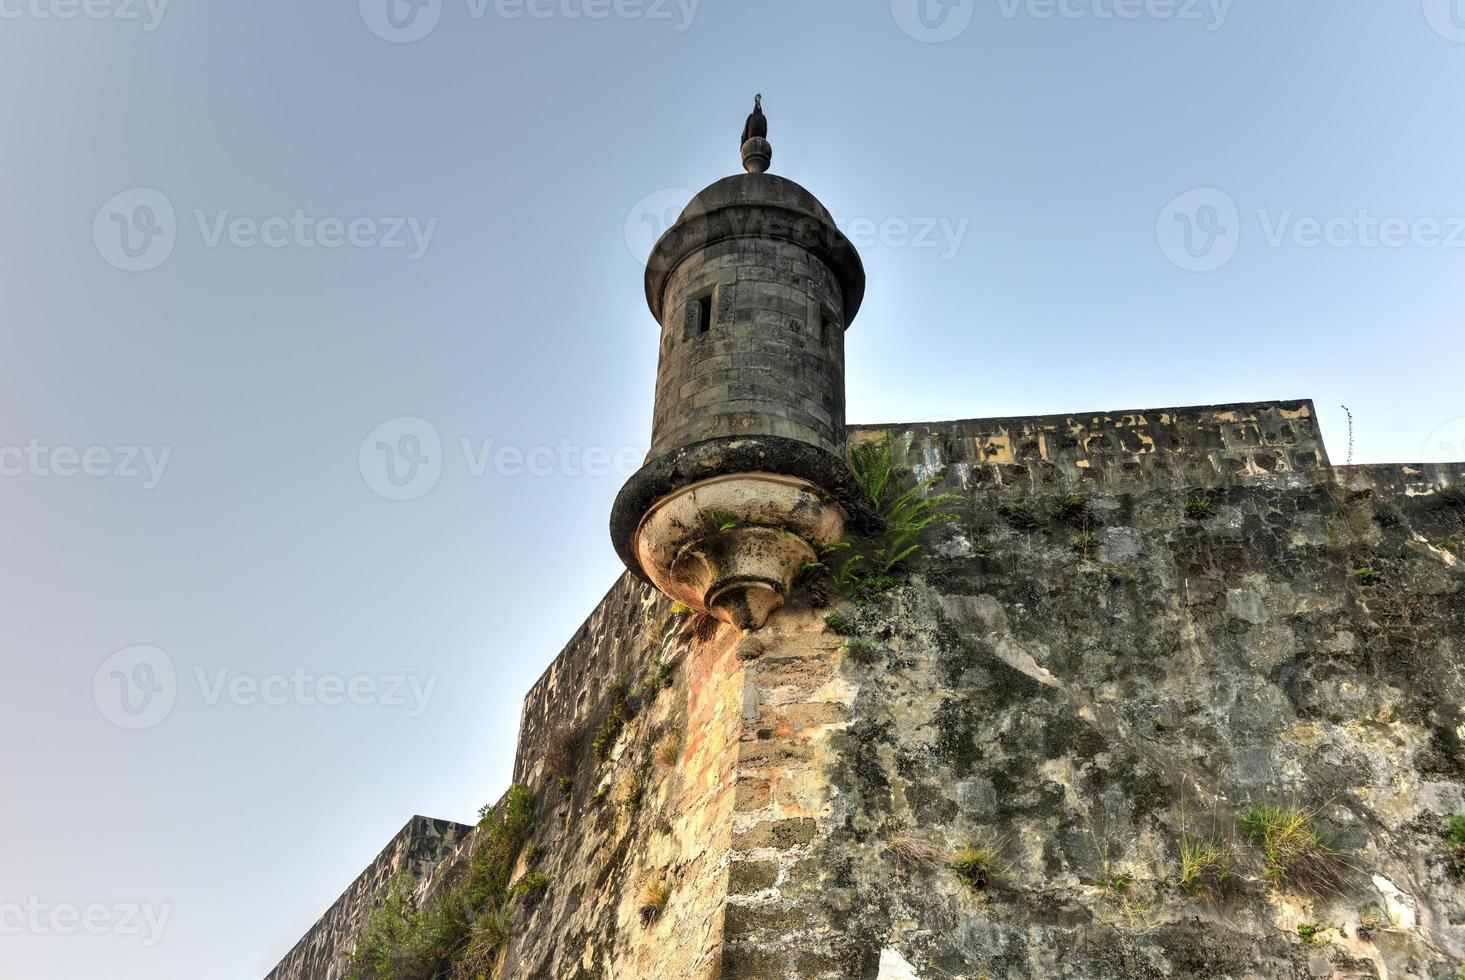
[699,316]
[704,313]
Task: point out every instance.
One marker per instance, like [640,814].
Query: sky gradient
[255,258]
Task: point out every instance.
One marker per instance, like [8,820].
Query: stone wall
[1094,670]
[608,647]
[1165,446]
[651,802]
[417,848]
[1140,625]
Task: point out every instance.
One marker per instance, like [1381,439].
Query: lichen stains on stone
[1094,729]
[1084,716]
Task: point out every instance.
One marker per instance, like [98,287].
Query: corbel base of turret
[732,545]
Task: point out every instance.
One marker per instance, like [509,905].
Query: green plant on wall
[469,922]
[978,865]
[392,944]
[1372,920]
[862,567]
[530,883]
[1197,507]
[1021,515]
[1073,511]
[1295,852]
[654,896]
[1311,932]
[1207,865]
[621,708]
[668,748]
[718,521]
[633,792]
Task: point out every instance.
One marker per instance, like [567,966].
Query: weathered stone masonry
[765,354]
[1083,711]
[417,849]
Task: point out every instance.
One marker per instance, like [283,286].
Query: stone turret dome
[756,205]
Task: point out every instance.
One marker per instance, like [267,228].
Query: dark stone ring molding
[700,461]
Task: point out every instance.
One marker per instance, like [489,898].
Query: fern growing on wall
[863,566]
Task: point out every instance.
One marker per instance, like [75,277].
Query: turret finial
[757,152]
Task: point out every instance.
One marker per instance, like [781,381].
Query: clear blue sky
[1011,188]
